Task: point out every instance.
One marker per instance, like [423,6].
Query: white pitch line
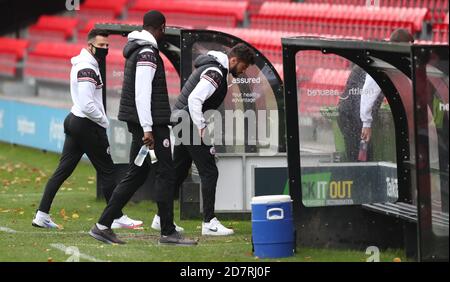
[64,249]
[7,230]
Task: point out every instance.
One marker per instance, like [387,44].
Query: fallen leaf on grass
[62,213]
[75,216]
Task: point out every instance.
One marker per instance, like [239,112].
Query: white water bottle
[139,160]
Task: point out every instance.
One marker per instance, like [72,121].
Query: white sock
[42,214]
[101,227]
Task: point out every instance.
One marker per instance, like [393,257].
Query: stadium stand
[50,61]
[261,23]
[104,10]
[193,13]
[12,52]
[115,42]
[338,19]
[52,28]
[269,41]
[440,31]
[438,8]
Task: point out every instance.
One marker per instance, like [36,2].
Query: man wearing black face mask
[205,90]
[85,129]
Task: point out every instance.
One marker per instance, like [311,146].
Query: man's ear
[91,48]
[233,61]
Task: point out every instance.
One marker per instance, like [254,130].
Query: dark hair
[154,19]
[401,35]
[243,53]
[96,32]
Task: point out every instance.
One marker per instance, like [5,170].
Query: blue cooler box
[272,226]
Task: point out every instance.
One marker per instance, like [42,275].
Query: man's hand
[201,132]
[148,139]
[366,134]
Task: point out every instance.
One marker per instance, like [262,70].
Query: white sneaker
[215,228]
[156,224]
[126,222]
[43,220]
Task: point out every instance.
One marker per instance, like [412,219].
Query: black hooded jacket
[160,100]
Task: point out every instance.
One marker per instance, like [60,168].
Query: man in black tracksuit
[205,90]
[85,129]
[144,105]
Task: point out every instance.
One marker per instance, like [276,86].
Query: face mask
[100,53]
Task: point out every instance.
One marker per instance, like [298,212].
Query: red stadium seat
[11,52]
[52,28]
[193,13]
[338,19]
[440,33]
[437,8]
[13,46]
[115,41]
[101,9]
[322,90]
[268,41]
[50,61]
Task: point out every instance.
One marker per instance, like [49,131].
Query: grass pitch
[23,175]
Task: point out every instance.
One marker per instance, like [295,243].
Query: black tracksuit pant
[351,127]
[204,159]
[136,176]
[83,136]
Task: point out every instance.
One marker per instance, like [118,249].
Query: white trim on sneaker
[44,221]
[215,228]
[125,222]
[156,224]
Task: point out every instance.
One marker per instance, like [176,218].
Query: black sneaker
[177,239]
[106,236]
